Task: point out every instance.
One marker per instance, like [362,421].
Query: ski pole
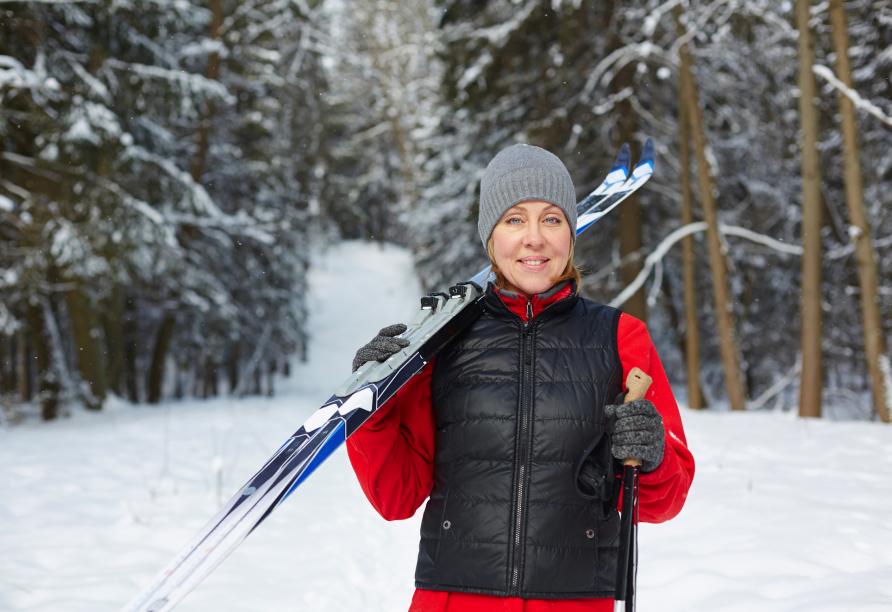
[637,382]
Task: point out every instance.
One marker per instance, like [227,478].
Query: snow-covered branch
[194,83]
[825,73]
[650,21]
[771,243]
[656,256]
[96,86]
[610,65]
[14,75]
[495,36]
[238,225]
[790,377]
[669,241]
[200,198]
[141,207]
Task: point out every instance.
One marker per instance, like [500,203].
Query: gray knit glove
[381,346]
[637,430]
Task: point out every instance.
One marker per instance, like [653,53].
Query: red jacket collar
[524,305]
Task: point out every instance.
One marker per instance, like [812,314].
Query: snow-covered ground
[784,514]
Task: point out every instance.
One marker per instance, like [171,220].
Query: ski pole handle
[637,382]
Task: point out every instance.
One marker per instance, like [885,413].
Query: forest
[167,170]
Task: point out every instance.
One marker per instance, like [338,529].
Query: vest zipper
[523,449]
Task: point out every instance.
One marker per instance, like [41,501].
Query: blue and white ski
[442,318]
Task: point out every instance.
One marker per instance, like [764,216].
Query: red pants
[443,601]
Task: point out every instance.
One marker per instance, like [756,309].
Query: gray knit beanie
[520,173]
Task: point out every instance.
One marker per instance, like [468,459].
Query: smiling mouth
[534,262]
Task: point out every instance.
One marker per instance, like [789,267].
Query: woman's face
[531,246]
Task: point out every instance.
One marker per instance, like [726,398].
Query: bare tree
[874,341]
[692,330]
[629,218]
[721,292]
[811,379]
[88,349]
[165,333]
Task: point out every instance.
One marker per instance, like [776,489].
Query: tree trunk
[202,139]
[874,340]
[129,331]
[7,365]
[630,241]
[89,358]
[271,378]
[232,365]
[210,378]
[155,381]
[258,380]
[810,382]
[179,380]
[197,380]
[692,330]
[721,292]
[47,379]
[23,366]
[113,323]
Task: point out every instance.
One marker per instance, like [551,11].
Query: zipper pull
[529,311]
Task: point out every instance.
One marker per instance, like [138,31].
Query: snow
[8,326]
[81,130]
[785,514]
[14,75]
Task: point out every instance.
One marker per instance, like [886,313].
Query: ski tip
[623,158]
[647,153]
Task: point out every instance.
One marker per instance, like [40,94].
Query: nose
[533,235]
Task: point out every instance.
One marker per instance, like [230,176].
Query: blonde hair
[571,272]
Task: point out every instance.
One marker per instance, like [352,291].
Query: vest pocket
[593,474]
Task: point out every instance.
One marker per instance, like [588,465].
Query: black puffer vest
[517,406]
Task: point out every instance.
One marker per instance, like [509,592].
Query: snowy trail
[101,503]
[784,515]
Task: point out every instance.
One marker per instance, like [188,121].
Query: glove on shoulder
[381,346]
[637,433]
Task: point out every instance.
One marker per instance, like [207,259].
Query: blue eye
[553,220]
[513,220]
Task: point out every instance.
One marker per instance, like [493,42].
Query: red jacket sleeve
[662,492]
[393,452]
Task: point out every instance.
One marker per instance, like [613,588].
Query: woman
[515,432]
